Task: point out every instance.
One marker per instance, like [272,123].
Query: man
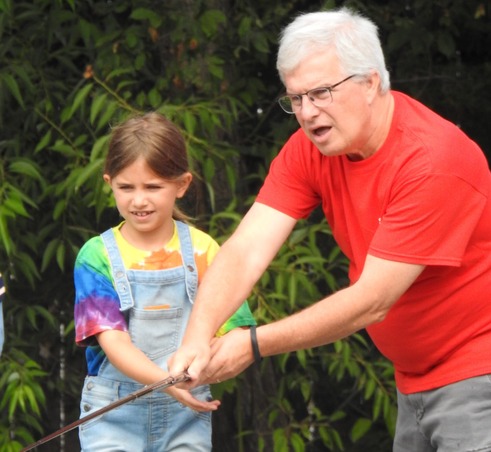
[407,195]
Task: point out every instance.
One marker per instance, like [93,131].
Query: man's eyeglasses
[320,97]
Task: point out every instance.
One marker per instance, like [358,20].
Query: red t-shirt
[423,198]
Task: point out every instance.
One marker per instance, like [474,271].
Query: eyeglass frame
[299,96]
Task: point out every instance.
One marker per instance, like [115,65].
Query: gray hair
[354,38]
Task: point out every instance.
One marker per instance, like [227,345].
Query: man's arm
[366,302]
[228,282]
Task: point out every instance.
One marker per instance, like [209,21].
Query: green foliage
[70,69]
[22,398]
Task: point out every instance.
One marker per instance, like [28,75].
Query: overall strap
[121,282]
[189,264]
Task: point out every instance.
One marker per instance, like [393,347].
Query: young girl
[135,285]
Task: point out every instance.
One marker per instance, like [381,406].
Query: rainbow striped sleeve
[96,301]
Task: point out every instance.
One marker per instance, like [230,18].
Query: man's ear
[373,85]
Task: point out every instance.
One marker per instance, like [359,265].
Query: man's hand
[230,355]
[190,358]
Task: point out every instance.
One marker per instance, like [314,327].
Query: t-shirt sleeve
[289,185]
[424,225]
[96,301]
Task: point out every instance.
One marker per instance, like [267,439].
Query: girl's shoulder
[201,239]
[93,251]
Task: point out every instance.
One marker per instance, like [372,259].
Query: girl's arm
[132,362]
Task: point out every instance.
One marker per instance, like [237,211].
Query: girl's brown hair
[155,138]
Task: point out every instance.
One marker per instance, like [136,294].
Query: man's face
[345,125]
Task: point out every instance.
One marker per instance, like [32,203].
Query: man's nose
[308,109]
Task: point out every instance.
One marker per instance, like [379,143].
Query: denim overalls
[158,304]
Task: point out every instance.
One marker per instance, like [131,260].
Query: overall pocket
[156,332]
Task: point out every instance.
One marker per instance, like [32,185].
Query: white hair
[353,37]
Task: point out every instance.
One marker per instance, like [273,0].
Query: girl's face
[146,202]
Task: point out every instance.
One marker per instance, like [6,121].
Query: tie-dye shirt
[97,306]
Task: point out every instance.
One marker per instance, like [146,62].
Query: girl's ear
[107,178]
[183,184]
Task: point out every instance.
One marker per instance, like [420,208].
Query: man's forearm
[324,322]
[365,302]
[225,286]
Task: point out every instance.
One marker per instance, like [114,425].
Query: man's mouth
[319,132]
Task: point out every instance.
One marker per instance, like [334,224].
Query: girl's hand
[186,398]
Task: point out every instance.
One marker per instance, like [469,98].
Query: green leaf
[119,72]
[377,403]
[105,119]
[98,103]
[85,28]
[28,267]
[132,39]
[147,14]
[60,255]
[27,168]
[209,169]
[93,169]
[296,441]
[13,402]
[30,397]
[140,61]
[337,416]
[13,87]
[43,142]
[369,388]
[17,194]
[302,358]
[245,26]
[292,289]
[60,207]
[280,440]
[79,99]
[155,98]
[261,43]
[306,389]
[446,44]
[49,253]
[189,122]
[15,205]
[360,429]
[210,20]
[99,147]
[5,239]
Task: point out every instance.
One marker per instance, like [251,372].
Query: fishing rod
[162,384]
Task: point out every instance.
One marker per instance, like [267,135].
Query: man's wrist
[255,346]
